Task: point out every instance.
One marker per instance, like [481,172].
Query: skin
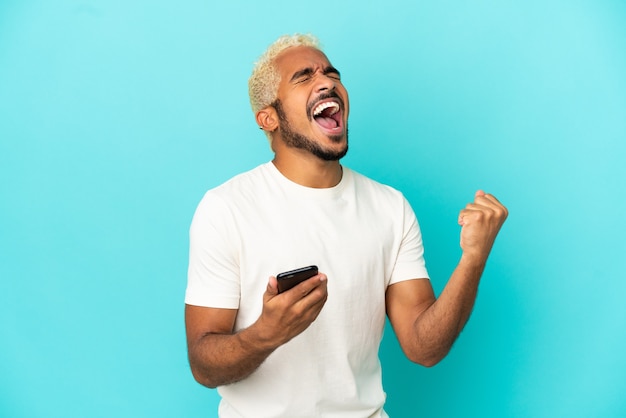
[426,326]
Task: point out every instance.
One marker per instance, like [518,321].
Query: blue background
[116,116]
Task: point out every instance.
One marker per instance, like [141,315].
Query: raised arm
[427,327]
[218,356]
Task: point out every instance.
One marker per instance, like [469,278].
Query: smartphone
[289,279]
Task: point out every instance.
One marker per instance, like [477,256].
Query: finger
[473,212]
[311,283]
[487,199]
[312,296]
[490,202]
[305,287]
[272,286]
[316,308]
[313,302]
[480,207]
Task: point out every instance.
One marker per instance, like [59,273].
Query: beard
[294,139]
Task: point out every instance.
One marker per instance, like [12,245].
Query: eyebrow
[309,70]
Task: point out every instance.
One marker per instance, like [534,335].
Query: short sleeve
[410,263]
[213,275]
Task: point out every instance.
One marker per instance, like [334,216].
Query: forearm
[221,359]
[218,356]
[436,329]
[427,327]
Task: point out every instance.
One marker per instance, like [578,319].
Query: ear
[267,119]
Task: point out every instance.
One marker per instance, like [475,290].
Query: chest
[290,233]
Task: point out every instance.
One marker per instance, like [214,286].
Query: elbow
[428,362]
[427,359]
[203,377]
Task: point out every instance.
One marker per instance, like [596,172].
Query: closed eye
[332,72]
[305,74]
[302,75]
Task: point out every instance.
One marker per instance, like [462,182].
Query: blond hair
[264,80]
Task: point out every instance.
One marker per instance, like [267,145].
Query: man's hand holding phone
[289,312]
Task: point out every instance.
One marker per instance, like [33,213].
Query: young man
[312,351]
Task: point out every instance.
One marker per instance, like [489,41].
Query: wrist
[473,260]
[253,339]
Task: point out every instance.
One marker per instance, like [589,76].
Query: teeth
[323,106]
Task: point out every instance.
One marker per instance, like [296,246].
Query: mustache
[323,96]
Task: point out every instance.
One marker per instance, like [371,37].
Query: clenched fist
[481,221]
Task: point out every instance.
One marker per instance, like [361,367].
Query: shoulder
[245,180]
[239,186]
[223,200]
[382,198]
[364,184]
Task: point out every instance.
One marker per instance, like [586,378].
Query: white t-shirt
[363,235]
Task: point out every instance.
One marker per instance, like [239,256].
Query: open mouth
[328,115]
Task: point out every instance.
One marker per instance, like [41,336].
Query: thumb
[272,286]
[479,193]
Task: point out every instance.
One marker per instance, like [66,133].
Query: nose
[325,83]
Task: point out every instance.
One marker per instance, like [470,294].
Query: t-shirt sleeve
[410,263]
[213,275]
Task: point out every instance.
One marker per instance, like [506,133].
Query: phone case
[289,279]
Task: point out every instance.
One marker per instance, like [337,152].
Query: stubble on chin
[294,139]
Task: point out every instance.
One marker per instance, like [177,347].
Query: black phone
[289,279]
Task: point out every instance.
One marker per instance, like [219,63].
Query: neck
[310,171]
